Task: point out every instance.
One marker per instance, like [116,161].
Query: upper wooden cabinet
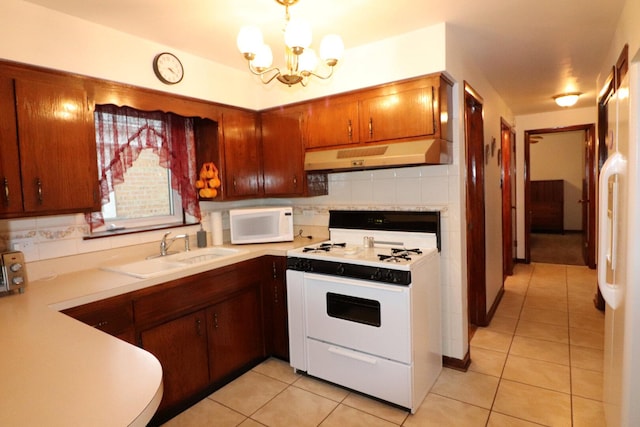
[282,153]
[241,167]
[403,110]
[47,140]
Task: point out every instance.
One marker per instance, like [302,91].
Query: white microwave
[261,225]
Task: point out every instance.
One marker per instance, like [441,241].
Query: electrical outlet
[22,245]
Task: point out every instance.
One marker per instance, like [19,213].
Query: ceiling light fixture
[301,61]
[567,99]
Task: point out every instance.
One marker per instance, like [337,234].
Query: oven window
[353,309]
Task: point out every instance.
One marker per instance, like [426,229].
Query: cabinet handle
[295,181]
[6,192]
[215,320]
[275,294]
[350,130]
[39,190]
[273,270]
[100,324]
[370,127]
[199,327]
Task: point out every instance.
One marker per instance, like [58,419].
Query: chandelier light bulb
[249,39]
[567,100]
[263,58]
[297,35]
[307,61]
[331,49]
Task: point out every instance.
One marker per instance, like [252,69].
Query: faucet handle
[165,235]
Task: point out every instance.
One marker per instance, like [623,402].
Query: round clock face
[168,68]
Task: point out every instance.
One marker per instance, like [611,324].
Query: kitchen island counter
[57,371]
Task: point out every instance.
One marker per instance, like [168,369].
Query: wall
[561,156]
[550,120]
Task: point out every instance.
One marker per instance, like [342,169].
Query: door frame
[507,180]
[475,207]
[590,166]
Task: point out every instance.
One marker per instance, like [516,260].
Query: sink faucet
[164,245]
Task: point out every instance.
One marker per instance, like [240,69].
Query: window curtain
[123,132]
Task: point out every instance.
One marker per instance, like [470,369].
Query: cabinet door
[11,192]
[235,333]
[282,154]
[241,155]
[181,347]
[403,114]
[57,148]
[332,123]
[275,319]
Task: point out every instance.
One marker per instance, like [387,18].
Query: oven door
[365,316]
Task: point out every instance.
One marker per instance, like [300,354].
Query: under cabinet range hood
[397,154]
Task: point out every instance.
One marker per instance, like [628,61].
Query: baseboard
[457,364]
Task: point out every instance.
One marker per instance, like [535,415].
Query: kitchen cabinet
[181,347]
[332,122]
[234,329]
[282,153]
[241,171]
[112,315]
[275,308]
[54,129]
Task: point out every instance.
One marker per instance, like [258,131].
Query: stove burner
[394,257]
[324,247]
[404,251]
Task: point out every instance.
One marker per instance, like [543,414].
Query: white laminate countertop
[57,371]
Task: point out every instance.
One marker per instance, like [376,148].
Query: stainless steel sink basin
[163,265]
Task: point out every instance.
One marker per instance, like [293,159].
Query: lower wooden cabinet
[181,347]
[275,308]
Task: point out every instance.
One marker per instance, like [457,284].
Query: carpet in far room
[557,248]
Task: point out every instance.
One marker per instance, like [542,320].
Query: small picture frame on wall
[493,147]
[487,151]
[499,156]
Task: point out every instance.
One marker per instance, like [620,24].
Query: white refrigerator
[619,255]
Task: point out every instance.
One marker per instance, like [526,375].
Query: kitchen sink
[154,267]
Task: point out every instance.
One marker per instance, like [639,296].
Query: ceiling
[530,50]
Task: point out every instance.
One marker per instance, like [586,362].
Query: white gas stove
[364,307]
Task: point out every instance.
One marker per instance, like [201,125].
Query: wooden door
[403,114]
[54,132]
[181,347]
[475,209]
[277,301]
[507,203]
[235,333]
[11,192]
[282,154]
[241,170]
[332,122]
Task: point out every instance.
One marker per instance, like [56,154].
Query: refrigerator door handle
[607,226]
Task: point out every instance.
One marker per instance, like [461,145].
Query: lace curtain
[123,132]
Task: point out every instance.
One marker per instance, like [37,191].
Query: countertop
[57,371]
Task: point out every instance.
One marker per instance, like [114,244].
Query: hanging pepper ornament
[209,182]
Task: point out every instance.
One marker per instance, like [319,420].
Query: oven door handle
[359,283]
[352,355]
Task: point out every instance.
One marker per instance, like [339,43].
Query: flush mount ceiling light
[301,61]
[567,99]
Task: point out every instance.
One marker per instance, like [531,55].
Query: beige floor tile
[322,388]
[375,408]
[487,361]
[534,404]
[587,358]
[592,320]
[585,383]
[551,317]
[203,413]
[545,302]
[508,311]
[517,286]
[587,338]
[538,373]
[277,369]
[469,387]
[544,288]
[345,416]
[542,331]
[540,350]
[491,340]
[250,423]
[503,324]
[295,407]
[500,420]
[587,413]
[439,411]
[248,393]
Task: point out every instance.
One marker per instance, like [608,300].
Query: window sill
[133,230]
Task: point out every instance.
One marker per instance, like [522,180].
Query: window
[146,162]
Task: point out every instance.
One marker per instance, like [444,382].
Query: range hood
[396,154]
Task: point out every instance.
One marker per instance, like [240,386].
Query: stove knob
[17,281]
[340,269]
[16,266]
[377,275]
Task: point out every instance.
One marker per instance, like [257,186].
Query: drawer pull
[6,192]
[353,355]
[39,190]
[100,324]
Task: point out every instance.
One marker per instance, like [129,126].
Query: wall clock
[168,68]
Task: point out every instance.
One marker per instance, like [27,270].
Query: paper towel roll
[216,228]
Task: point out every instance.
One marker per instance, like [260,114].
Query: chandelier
[301,61]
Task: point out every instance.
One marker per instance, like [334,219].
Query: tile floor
[538,363]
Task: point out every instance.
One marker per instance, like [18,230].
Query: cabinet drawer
[113,316]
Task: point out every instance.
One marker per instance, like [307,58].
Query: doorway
[560,209]
[507,178]
[475,208]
